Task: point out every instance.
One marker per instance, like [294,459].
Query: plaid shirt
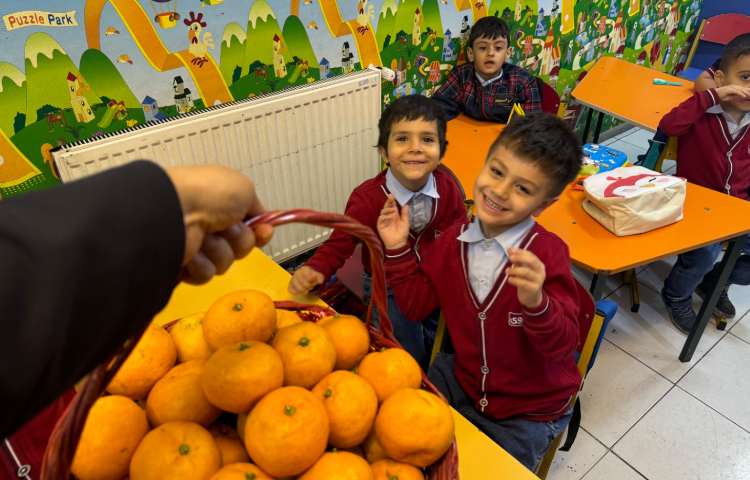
[462,92]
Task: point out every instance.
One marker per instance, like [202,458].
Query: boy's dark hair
[412,107]
[738,47]
[545,140]
[490,27]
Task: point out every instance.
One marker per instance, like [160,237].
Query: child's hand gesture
[527,274]
[304,280]
[730,93]
[392,226]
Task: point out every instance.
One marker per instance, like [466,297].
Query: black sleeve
[83,266]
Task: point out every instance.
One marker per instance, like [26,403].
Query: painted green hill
[232,51]
[12,96]
[386,22]
[105,79]
[431,13]
[298,42]
[261,28]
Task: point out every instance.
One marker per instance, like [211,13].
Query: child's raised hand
[304,280]
[527,274]
[393,227]
[729,93]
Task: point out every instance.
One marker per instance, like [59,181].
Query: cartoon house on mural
[151,109]
[550,53]
[325,67]
[81,108]
[347,58]
[416,29]
[449,53]
[465,30]
[183,99]
[279,65]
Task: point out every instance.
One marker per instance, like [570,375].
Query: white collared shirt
[487,256]
[484,82]
[420,202]
[734,127]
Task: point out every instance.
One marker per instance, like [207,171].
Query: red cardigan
[510,361]
[365,204]
[706,153]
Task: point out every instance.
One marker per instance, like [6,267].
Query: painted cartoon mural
[91,67]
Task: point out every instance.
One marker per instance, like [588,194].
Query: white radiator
[306,147]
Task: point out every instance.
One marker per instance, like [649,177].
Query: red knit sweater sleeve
[335,251]
[415,295]
[553,327]
[681,119]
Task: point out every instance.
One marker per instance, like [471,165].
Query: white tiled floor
[648,416]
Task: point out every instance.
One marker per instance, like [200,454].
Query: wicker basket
[62,444]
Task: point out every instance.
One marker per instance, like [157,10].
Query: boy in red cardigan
[506,289]
[713,151]
[412,140]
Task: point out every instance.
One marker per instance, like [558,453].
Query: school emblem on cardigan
[515,319]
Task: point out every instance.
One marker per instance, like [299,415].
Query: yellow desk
[479,457]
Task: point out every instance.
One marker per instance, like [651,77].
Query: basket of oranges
[257,389]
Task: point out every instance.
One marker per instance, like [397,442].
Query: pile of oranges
[249,392]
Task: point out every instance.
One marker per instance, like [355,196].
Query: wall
[90,67]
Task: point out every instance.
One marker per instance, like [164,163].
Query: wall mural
[91,67]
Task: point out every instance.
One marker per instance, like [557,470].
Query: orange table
[710,217]
[626,91]
[479,457]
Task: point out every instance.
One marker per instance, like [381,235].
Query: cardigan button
[485,369]
[483,402]
[482,315]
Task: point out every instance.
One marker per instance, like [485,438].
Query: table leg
[598,128]
[597,286]
[587,127]
[725,269]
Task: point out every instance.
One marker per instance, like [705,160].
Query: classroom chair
[550,97]
[594,333]
[717,30]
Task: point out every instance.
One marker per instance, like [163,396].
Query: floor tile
[584,278]
[608,406]
[721,381]
[629,149]
[669,166]
[650,336]
[682,438]
[572,465]
[639,138]
[612,468]
[742,328]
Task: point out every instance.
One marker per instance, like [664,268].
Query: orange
[236,376]
[389,370]
[285,318]
[339,466]
[238,317]
[373,449]
[175,451]
[351,404]
[414,426]
[350,338]
[152,357]
[287,431]
[241,420]
[390,470]
[178,396]
[307,352]
[187,335]
[241,471]
[114,427]
[231,447]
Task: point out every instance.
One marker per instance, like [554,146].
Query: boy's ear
[470,54]
[720,78]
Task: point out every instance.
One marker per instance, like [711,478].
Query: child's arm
[680,120]
[550,311]
[414,293]
[333,253]
[450,96]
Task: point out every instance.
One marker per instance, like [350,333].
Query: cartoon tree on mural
[541,29]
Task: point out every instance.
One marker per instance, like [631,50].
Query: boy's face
[508,190]
[737,74]
[488,55]
[413,151]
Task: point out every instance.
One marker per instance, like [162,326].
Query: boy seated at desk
[713,151]
[412,141]
[487,87]
[505,287]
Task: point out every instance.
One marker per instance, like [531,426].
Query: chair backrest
[723,28]
[550,97]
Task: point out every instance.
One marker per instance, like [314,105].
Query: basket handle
[64,439]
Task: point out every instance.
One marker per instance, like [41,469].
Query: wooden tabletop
[626,91]
[479,457]
[710,216]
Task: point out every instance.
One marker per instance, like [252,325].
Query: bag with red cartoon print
[632,200]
